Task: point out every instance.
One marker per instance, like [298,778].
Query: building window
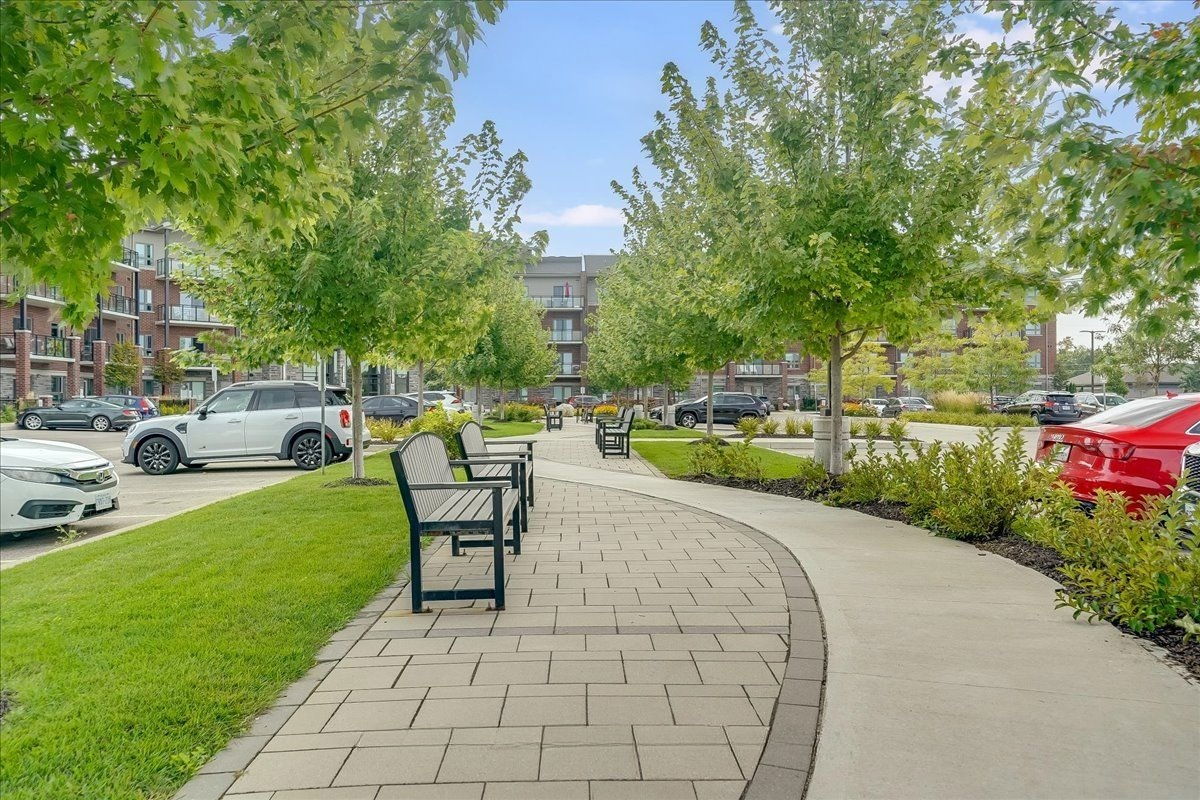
[1035,359]
[191,390]
[949,326]
[145,254]
[58,385]
[148,387]
[146,342]
[560,393]
[189,343]
[792,359]
[145,300]
[55,329]
[121,336]
[1031,297]
[89,386]
[1033,329]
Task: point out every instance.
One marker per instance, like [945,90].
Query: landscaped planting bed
[129,662]
[1138,572]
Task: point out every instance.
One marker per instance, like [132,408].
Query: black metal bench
[610,420]
[473,445]
[437,504]
[614,438]
[554,419]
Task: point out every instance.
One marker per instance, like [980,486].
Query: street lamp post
[1092,367]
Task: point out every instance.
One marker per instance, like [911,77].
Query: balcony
[575,336]
[49,346]
[133,259]
[119,304]
[37,293]
[751,370]
[170,267]
[188,314]
[558,302]
[567,370]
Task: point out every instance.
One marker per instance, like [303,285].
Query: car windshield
[1147,411]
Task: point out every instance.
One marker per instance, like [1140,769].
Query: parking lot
[143,498]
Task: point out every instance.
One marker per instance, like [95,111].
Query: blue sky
[575,84]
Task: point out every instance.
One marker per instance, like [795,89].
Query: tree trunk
[708,410]
[836,445]
[479,402]
[503,410]
[356,416]
[420,386]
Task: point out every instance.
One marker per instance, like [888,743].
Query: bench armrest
[465,485]
[516,441]
[462,462]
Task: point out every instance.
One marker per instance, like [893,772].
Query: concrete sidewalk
[951,674]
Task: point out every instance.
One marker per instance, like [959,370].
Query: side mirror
[202,413]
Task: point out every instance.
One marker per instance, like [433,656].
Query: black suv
[727,407]
[1045,406]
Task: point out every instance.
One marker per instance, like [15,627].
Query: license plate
[104,501]
[1060,453]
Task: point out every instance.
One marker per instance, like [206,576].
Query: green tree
[866,371]
[219,116]
[1070,360]
[166,369]
[932,365]
[514,350]
[1073,193]
[399,272]
[1148,356]
[995,360]
[1190,377]
[832,210]
[123,370]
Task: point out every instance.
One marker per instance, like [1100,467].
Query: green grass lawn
[134,659]
[672,459]
[492,428]
[678,433]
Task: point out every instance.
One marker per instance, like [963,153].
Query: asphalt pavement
[143,498]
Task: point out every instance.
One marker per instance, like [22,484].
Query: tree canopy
[222,117]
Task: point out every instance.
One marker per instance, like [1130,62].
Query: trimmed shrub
[8,413]
[384,430]
[981,420]
[858,410]
[770,427]
[607,408]
[872,428]
[807,427]
[646,425]
[518,412]
[723,459]
[791,426]
[748,427]
[1140,570]
[443,425]
[168,406]
[897,429]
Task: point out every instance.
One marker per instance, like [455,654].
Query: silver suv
[257,420]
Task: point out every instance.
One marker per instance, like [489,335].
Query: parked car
[139,403]
[766,401]
[876,404]
[1139,448]
[81,412]
[1045,407]
[447,400]
[1095,402]
[49,484]
[728,407]
[998,402]
[584,401]
[256,420]
[395,407]
[896,406]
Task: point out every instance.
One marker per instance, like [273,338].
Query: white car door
[272,415]
[219,428]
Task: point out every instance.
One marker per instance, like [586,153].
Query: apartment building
[567,287]
[43,356]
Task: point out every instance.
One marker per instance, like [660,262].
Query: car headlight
[35,475]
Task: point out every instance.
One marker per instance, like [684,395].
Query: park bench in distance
[554,419]
[472,444]
[437,504]
[614,436]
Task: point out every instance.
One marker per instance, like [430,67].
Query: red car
[1135,448]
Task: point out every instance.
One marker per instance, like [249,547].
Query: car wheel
[101,423]
[1037,419]
[31,422]
[307,451]
[748,415]
[687,419]
[158,456]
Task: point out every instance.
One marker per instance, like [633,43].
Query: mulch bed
[356,482]
[1010,546]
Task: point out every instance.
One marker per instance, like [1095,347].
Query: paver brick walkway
[641,655]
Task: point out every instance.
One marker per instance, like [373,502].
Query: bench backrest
[470,439]
[422,459]
[626,421]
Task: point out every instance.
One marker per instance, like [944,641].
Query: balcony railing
[566,336]
[9,285]
[85,351]
[187,313]
[558,302]
[119,304]
[166,267]
[568,369]
[49,346]
[758,369]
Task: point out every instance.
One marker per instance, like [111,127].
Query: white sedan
[47,484]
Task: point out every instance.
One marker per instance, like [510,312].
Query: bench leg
[529,469]
[516,535]
[498,556]
[523,494]
[414,544]
[455,550]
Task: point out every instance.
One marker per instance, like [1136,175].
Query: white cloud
[583,216]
